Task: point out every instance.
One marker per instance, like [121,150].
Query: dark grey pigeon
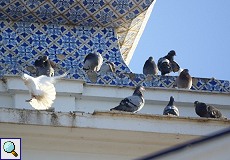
[164,66]
[93,62]
[132,103]
[171,109]
[167,64]
[44,67]
[184,80]
[49,65]
[204,110]
[170,56]
[150,67]
[107,67]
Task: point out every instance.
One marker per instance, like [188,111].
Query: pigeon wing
[135,102]
[175,66]
[130,104]
[47,80]
[214,112]
[42,88]
[171,110]
[31,69]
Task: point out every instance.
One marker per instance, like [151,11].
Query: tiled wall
[25,35]
[130,79]
[21,43]
[126,16]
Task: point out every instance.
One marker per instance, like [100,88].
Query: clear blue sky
[199,32]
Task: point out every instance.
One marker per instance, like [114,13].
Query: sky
[199,32]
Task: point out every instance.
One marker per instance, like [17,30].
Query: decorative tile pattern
[131,79]
[67,30]
[96,13]
[22,43]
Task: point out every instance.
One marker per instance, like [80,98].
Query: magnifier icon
[9,147]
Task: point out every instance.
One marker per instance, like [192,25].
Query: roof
[176,151]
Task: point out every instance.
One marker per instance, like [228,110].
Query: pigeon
[171,109]
[49,65]
[204,110]
[184,80]
[167,64]
[150,67]
[44,66]
[93,62]
[42,90]
[107,67]
[170,55]
[164,66]
[132,103]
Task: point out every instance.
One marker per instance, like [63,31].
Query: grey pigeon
[93,62]
[150,67]
[132,103]
[167,64]
[171,109]
[107,67]
[44,66]
[204,110]
[184,80]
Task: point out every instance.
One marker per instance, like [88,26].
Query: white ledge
[115,121]
[76,95]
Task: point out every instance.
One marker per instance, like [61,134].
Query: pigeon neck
[184,75]
[137,93]
[171,102]
[47,63]
[170,58]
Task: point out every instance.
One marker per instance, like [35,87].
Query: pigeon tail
[45,99]
[42,90]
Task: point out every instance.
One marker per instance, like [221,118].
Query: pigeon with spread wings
[167,64]
[42,90]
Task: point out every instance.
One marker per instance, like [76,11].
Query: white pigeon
[42,90]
